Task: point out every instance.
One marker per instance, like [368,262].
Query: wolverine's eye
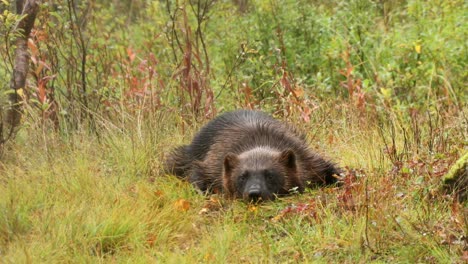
[243,177]
[268,174]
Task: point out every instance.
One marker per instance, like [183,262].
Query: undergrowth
[377,86]
[87,199]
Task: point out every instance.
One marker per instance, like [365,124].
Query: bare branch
[28,9]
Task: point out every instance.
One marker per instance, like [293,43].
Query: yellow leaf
[182,205]
[20,92]
[276,218]
[386,92]
[418,48]
[209,257]
[252,208]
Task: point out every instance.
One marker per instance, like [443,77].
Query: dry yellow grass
[80,199]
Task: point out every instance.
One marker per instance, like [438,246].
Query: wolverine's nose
[254,192]
[254,195]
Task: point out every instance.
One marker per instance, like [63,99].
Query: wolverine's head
[260,173]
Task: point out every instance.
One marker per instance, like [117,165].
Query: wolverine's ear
[288,159]
[230,162]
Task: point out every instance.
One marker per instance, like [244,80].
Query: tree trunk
[242,5]
[29,9]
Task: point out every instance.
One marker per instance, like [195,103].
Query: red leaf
[131,54]
[42,91]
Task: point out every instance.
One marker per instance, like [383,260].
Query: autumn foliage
[112,86]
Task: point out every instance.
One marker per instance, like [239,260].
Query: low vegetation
[377,86]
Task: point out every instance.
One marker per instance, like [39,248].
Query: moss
[456,179]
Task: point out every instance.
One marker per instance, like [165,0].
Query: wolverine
[250,155]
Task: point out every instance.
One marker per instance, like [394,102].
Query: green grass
[382,82]
[79,199]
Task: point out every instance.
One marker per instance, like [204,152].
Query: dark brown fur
[251,155]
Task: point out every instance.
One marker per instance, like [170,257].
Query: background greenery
[378,86]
